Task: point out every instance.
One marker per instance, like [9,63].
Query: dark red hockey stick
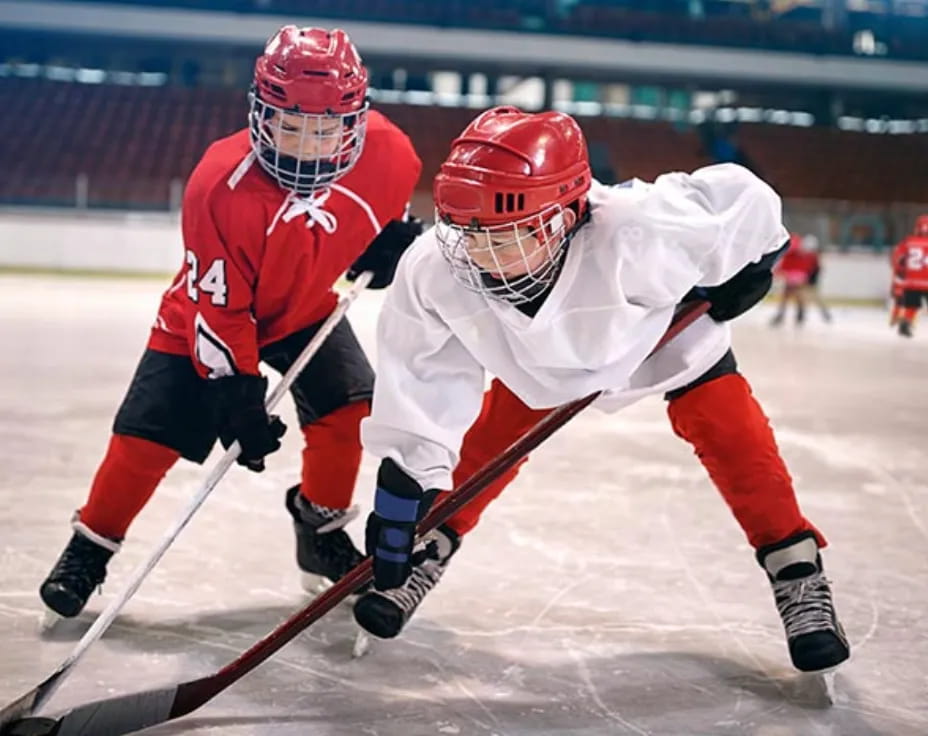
[129,713]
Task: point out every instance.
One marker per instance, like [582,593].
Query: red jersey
[897,258]
[910,262]
[796,261]
[260,262]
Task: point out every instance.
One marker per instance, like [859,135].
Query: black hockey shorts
[726,365]
[914,298]
[167,402]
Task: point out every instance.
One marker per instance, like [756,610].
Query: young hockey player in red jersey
[560,287]
[797,268]
[896,289]
[811,247]
[910,267]
[316,184]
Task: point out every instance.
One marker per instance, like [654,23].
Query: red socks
[133,467]
[503,419]
[332,456]
[131,470]
[720,419]
[732,438]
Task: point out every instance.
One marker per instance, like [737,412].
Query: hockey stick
[129,713]
[33,700]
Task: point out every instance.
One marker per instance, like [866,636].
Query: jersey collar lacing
[294,205]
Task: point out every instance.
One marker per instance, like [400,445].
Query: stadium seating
[132,142]
[722,23]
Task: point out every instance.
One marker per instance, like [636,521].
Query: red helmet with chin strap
[921,226]
[308,107]
[508,164]
[500,198]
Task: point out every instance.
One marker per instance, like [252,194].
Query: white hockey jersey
[645,246]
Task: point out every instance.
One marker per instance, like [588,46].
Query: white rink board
[608,591]
[150,243]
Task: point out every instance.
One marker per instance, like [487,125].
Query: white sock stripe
[101,541]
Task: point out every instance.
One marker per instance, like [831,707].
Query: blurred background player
[910,268]
[896,289]
[272,216]
[559,287]
[810,245]
[797,269]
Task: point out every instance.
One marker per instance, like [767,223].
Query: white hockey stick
[35,698]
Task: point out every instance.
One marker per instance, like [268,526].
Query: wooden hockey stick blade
[33,700]
[129,713]
[125,714]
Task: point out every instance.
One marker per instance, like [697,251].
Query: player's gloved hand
[742,291]
[399,504]
[241,416]
[383,254]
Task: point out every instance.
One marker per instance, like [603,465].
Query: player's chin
[506,276]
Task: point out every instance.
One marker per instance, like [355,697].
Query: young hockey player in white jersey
[559,287]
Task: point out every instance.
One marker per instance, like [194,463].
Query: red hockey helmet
[921,226]
[500,198]
[308,107]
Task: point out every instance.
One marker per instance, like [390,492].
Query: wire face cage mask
[305,152]
[514,262]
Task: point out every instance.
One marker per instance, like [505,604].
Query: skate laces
[423,578]
[805,604]
[326,519]
[83,568]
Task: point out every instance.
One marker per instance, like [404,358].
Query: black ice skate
[814,635]
[324,551]
[80,569]
[384,613]
[905,328]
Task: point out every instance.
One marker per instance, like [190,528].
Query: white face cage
[305,152]
[514,262]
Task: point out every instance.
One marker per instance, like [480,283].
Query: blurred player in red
[796,269]
[316,184]
[910,277]
[810,245]
[896,287]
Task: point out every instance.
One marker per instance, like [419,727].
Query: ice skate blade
[314,584]
[820,686]
[48,621]
[362,644]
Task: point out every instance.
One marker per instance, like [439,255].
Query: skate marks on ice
[554,676]
[575,608]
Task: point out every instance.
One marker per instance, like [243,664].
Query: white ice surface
[608,591]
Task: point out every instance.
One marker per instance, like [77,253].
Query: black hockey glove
[239,402]
[399,504]
[383,254]
[742,291]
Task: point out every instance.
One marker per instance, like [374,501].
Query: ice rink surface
[608,591]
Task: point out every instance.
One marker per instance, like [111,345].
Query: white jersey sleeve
[429,388]
[700,228]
